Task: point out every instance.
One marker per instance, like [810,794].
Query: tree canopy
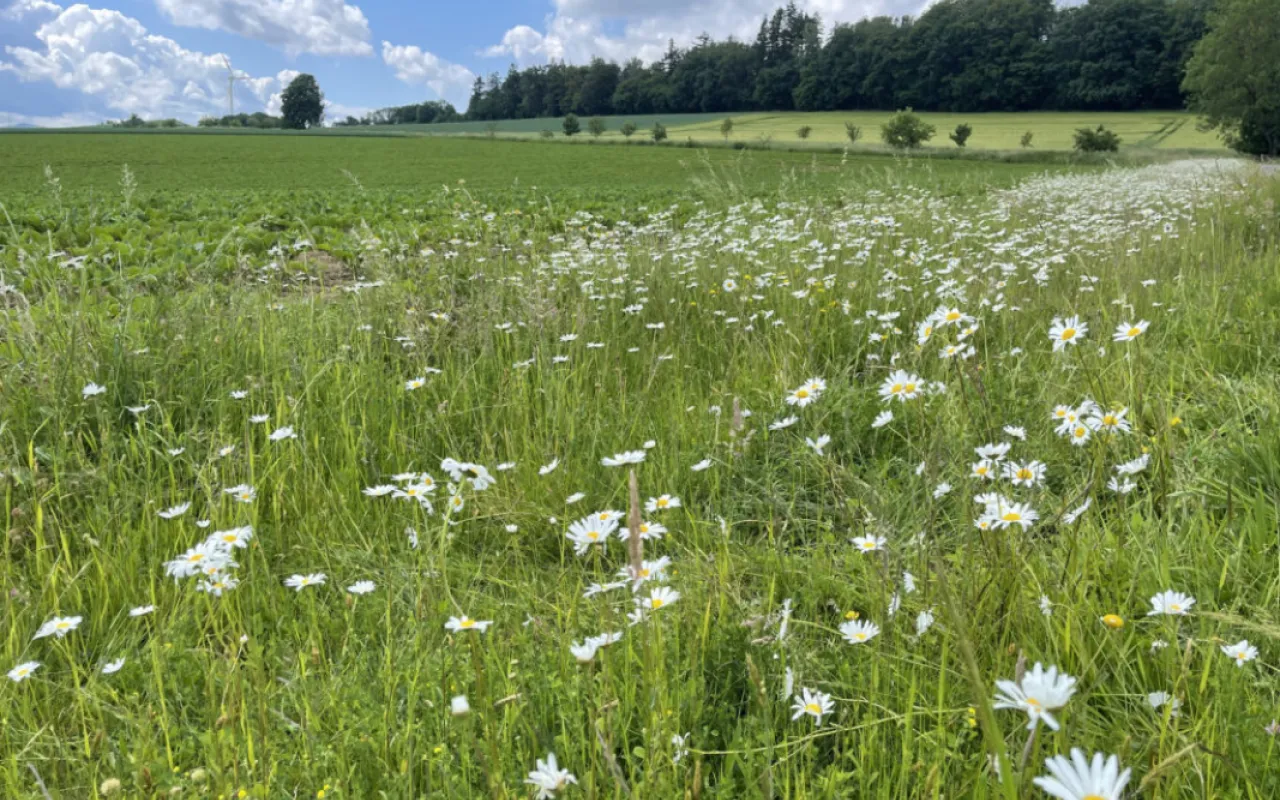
[959,55]
[302,104]
[1234,75]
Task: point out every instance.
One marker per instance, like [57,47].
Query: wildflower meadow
[892,482]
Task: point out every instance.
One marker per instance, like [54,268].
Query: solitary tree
[628,129]
[1233,77]
[803,131]
[570,124]
[595,126]
[659,131]
[302,104]
[961,134]
[905,130]
[853,132]
[726,128]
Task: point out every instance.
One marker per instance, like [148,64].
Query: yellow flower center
[1034,703]
[593,535]
[1175,607]
[895,389]
[62,626]
[1011,516]
[1109,419]
[1093,797]
[1081,431]
[868,545]
[468,623]
[862,637]
[813,708]
[1134,332]
[952,316]
[1024,474]
[656,602]
[662,502]
[644,573]
[802,393]
[910,388]
[980,469]
[1068,334]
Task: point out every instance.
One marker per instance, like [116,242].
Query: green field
[193,161]
[230,374]
[991,131]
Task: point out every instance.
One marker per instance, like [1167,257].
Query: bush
[595,126]
[1100,140]
[1026,139]
[491,128]
[659,132]
[628,129]
[853,132]
[961,134]
[571,124]
[803,131]
[547,133]
[905,129]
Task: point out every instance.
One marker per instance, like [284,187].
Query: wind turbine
[232,77]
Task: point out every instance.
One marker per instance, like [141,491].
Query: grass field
[992,131]
[322,490]
[186,162]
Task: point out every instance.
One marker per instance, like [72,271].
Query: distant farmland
[1051,130]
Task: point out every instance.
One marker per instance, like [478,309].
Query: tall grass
[271,691]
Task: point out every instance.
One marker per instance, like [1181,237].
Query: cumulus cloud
[323,27]
[23,8]
[577,30]
[414,66]
[105,54]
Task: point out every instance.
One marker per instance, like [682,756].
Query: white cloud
[577,29]
[412,65]
[21,8]
[71,119]
[105,54]
[323,27]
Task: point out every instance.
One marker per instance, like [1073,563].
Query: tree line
[959,55]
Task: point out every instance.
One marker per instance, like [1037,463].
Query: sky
[67,64]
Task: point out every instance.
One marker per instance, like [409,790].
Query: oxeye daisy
[1078,779]
[1171,603]
[868,544]
[1064,332]
[23,671]
[1127,332]
[242,493]
[812,703]
[300,582]
[622,459]
[465,623]
[801,397]
[1039,693]
[660,598]
[173,512]
[1030,473]
[548,778]
[857,631]
[361,587]
[661,503]
[1240,652]
[58,626]
[901,386]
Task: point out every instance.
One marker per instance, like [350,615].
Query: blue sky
[66,64]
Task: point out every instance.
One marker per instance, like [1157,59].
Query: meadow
[683,474]
[1050,130]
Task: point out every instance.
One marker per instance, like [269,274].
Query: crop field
[681,475]
[991,131]
[187,163]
